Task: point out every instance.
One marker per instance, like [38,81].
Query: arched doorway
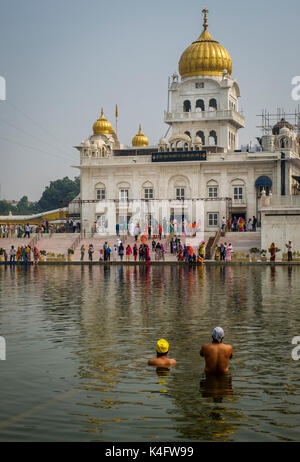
[263,183]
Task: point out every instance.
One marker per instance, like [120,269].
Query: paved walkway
[60,243]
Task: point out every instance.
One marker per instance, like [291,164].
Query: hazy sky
[65,59]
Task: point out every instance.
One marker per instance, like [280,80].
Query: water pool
[78,340]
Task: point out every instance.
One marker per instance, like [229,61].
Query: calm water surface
[78,340]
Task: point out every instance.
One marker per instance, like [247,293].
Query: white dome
[99,143]
[285,131]
[197,140]
[163,141]
[180,137]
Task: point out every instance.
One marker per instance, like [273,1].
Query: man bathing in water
[162,350]
[216,354]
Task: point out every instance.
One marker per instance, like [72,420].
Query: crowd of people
[130,253]
[26,231]
[239,225]
[223,252]
[23,254]
[164,229]
[141,252]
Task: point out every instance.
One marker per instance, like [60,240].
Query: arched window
[187,106]
[188,134]
[213,139]
[202,136]
[213,106]
[212,189]
[200,105]
[100,189]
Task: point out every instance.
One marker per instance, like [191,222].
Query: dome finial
[205,11]
[102,111]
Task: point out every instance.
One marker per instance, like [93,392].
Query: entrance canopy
[263,181]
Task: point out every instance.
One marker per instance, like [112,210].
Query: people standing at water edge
[26,255]
[272,251]
[82,251]
[223,252]
[115,252]
[90,252]
[201,251]
[12,255]
[161,360]
[289,246]
[121,251]
[228,252]
[36,255]
[216,354]
[135,252]
[128,252]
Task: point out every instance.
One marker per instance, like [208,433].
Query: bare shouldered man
[162,350]
[216,354]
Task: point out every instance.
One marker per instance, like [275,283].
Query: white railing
[239,202]
[283,201]
[204,115]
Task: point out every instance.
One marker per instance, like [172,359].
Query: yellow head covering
[162,346]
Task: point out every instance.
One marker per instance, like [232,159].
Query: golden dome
[102,126]
[140,140]
[205,56]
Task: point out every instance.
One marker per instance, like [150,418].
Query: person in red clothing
[160,230]
[128,252]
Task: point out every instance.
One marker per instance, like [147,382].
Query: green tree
[5,208]
[58,191]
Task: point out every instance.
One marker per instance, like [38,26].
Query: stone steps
[243,242]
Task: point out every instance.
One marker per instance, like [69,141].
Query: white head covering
[218,334]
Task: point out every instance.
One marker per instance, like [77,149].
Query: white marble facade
[124,185]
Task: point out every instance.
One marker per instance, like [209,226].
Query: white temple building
[196,175]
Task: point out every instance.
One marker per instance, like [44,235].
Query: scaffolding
[268,120]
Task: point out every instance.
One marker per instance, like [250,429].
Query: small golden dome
[205,56]
[140,140]
[102,126]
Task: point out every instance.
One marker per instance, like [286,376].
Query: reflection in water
[216,387]
[88,330]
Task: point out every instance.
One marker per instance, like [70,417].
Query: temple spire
[205,24]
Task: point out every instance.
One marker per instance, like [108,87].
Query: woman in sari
[36,255]
[148,259]
[18,256]
[272,251]
[228,252]
[180,253]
